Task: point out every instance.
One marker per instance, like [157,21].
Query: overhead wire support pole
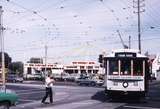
[46,53]
[2,50]
[129,42]
[46,60]
[139,28]
[139,11]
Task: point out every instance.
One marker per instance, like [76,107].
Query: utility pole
[129,42]
[46,60]
[139,4]
[2,50]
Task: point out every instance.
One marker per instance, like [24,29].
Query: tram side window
[125,67]
[113,67]
[138,68]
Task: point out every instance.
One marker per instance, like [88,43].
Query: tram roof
[112,54]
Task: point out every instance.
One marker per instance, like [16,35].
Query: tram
[126,73]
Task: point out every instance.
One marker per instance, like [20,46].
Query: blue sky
[76,29]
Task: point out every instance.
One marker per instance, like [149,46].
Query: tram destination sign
[125,54]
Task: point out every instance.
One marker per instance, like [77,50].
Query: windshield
[113,67]
[138,67]
[125,66]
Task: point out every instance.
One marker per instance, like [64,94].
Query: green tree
[7,59]
[16,67]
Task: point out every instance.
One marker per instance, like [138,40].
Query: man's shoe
[44,102]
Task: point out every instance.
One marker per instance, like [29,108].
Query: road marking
[27,100]
[72,105]
[60,93]
[139,107]
[42,86]
[86,102]
[21,91]
[29,92]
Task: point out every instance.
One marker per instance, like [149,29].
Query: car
[7,99]
[38,77]
[74,76]
[85,81]
[66,77]
[57,76]
[14,78]
[99,82]
[89,81]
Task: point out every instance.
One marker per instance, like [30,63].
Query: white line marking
[138,107]
[27,100]
[21,91]
[29,92]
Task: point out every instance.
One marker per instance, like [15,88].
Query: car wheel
[79,84]
[14,81]
[92,83]
[5,105]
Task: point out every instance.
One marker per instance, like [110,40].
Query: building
[83,67]
[37,70]
[156,68]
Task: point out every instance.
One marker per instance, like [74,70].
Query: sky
[77,30]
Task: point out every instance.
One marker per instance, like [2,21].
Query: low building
[156,68]
[83,67]
[37,70]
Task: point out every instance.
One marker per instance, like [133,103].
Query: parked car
[14,78]
[37,76]
[66,77]
[7,99]
[57,76]
[74,76]
[99,82]
[89,81]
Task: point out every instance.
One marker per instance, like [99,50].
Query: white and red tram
[127,72]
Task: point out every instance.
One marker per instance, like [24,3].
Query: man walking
[48,83]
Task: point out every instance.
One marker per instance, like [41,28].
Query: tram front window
[125,67]
[113,67]
[138,67]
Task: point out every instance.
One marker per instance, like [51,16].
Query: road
[78,97]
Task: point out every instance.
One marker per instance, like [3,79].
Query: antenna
[124,46]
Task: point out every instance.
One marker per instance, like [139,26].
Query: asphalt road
[78,97]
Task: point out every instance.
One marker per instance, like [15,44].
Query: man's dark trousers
[48,93]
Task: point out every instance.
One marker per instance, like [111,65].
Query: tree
[7,59]
[16,67]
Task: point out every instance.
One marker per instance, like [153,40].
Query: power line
[29,10]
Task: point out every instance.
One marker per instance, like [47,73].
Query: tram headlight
[125,84]
[135,83]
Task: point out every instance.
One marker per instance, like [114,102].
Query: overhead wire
[112,13]
[115,42]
